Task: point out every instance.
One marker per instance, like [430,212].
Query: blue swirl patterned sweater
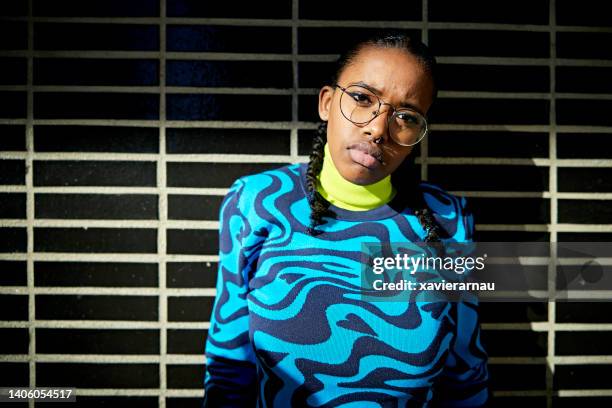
[289,328]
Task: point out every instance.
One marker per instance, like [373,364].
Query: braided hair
[406,177]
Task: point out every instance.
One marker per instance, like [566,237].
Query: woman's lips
[366,155]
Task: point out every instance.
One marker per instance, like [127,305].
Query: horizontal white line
[260,22]
[583,393]
[105,291]
[118,190]
[131,224]
[104,324]
[106,358]
[107,257]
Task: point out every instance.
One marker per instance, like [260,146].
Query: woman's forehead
[392,72]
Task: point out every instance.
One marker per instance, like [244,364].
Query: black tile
[591,402]
[315,74]
[305,141]
[518,400]
[212,174]
[193,242]
[584,237]
[572,343]
[216,38]
[191,274]
[189,308]
[590,13]
[97,206]
[97,341]
[13,273]
[85,71]
[494,78]
[181,402]
[106,274]
[489,177]
[14,307]
[15,8]
[584,45]
[14,375]
[584,79]
[89,375]
[118,240]
[116,139]
[106,8]
[584,112]
[98,307]
[308,106]
[584,179]
[269,74]
[13,35]
[505,377]
[95,173]
[510,210]
[12,104]
[274,9]
[510,236]
[348,10]
[502,312]
[186,341]
[484,43]
[524,343]
[13,138]
[584,145]
[228,107]
[110,401]
[194,207]
[585,212]
[457,143]
[12,205]
[13,239]
[484,11]
[583,312]
[334,40]
[185,376]
[99,105]
[224,140]
[12,172]
[14,341]
[490,111]
[14,71]
[89,36]
[582,377]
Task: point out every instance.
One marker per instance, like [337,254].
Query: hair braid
[318,205]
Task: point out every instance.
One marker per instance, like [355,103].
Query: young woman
[289,327]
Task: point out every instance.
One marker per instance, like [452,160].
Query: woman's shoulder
[252,185]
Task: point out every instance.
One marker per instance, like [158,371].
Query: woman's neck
[345,194]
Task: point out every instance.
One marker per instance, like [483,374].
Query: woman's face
[396,77]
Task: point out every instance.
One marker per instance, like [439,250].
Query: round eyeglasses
[360,105]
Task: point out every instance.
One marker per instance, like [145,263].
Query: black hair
[406,177]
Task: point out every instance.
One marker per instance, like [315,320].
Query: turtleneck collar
[345,194]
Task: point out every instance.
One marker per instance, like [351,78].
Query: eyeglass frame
[380,104]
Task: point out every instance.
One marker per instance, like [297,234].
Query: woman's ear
[326,95]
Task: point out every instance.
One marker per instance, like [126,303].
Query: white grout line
[30,206]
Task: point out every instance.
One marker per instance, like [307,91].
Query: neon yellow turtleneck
[345,194]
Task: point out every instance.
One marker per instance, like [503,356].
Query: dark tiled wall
[123,123]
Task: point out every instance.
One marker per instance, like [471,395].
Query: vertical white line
[30,203]
[293,144]
[163,209]
[425,39]
[552,179]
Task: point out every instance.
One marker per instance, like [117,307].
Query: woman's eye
[360,98]
[408,117]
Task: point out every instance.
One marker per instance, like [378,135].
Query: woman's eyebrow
[377,92]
